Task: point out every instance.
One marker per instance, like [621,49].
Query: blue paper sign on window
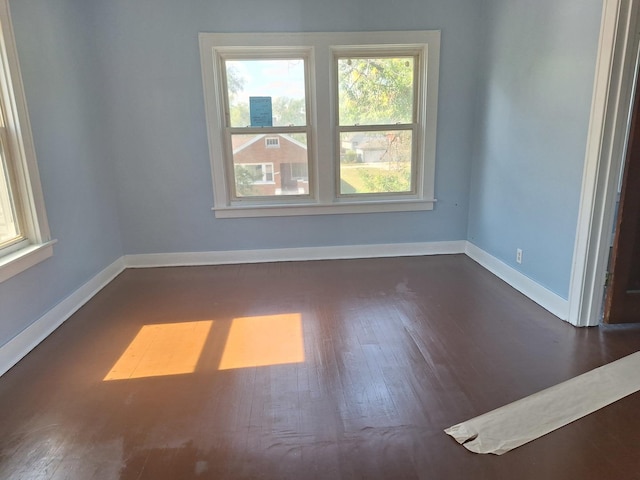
[260,111]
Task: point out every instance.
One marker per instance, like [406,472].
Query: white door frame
[606,143]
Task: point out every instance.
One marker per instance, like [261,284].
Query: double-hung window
[321,123]
[24,232]
[265,122]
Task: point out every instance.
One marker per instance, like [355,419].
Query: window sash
[414,164]
[382,52]
[9,199]
[230,165]
[419,86]
[254,54]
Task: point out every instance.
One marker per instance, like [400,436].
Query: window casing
[24,231]
[345,159]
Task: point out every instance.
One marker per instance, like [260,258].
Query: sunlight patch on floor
[264,340]
[162,349]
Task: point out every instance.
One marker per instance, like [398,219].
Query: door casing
[606,142]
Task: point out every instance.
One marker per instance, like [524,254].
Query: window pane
[375,162]
[280,83]
[8,222]
[270,165]
[375,91]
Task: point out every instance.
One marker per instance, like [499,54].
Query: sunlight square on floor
[264,340]
[162,349]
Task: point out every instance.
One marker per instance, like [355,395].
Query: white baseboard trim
[14,350]
[293,254]
[536,292]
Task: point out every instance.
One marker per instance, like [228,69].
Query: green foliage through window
[375,91]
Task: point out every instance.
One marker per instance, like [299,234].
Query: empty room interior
[292,239]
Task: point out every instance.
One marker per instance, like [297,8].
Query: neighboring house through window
[273,175]
[336,122]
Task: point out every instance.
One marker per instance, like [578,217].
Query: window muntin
[417,52]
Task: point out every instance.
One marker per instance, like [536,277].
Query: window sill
[20,260]
[323,209]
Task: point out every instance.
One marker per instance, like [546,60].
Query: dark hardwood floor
[153,378]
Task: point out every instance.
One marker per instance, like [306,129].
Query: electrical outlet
[519,255]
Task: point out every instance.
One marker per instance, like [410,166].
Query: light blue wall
[64,91]
[115,97]
[158,132]
[533,114]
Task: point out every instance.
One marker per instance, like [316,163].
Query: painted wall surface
[158,136]
[115,97]
[63,85]
[533,114]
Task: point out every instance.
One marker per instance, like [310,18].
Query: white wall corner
[542,296]
[15,349]
[294,254]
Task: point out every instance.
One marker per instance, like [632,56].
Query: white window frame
[227,130]
[323,148]
[413,127]
[36,244]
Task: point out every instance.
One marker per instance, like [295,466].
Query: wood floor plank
[395,350]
